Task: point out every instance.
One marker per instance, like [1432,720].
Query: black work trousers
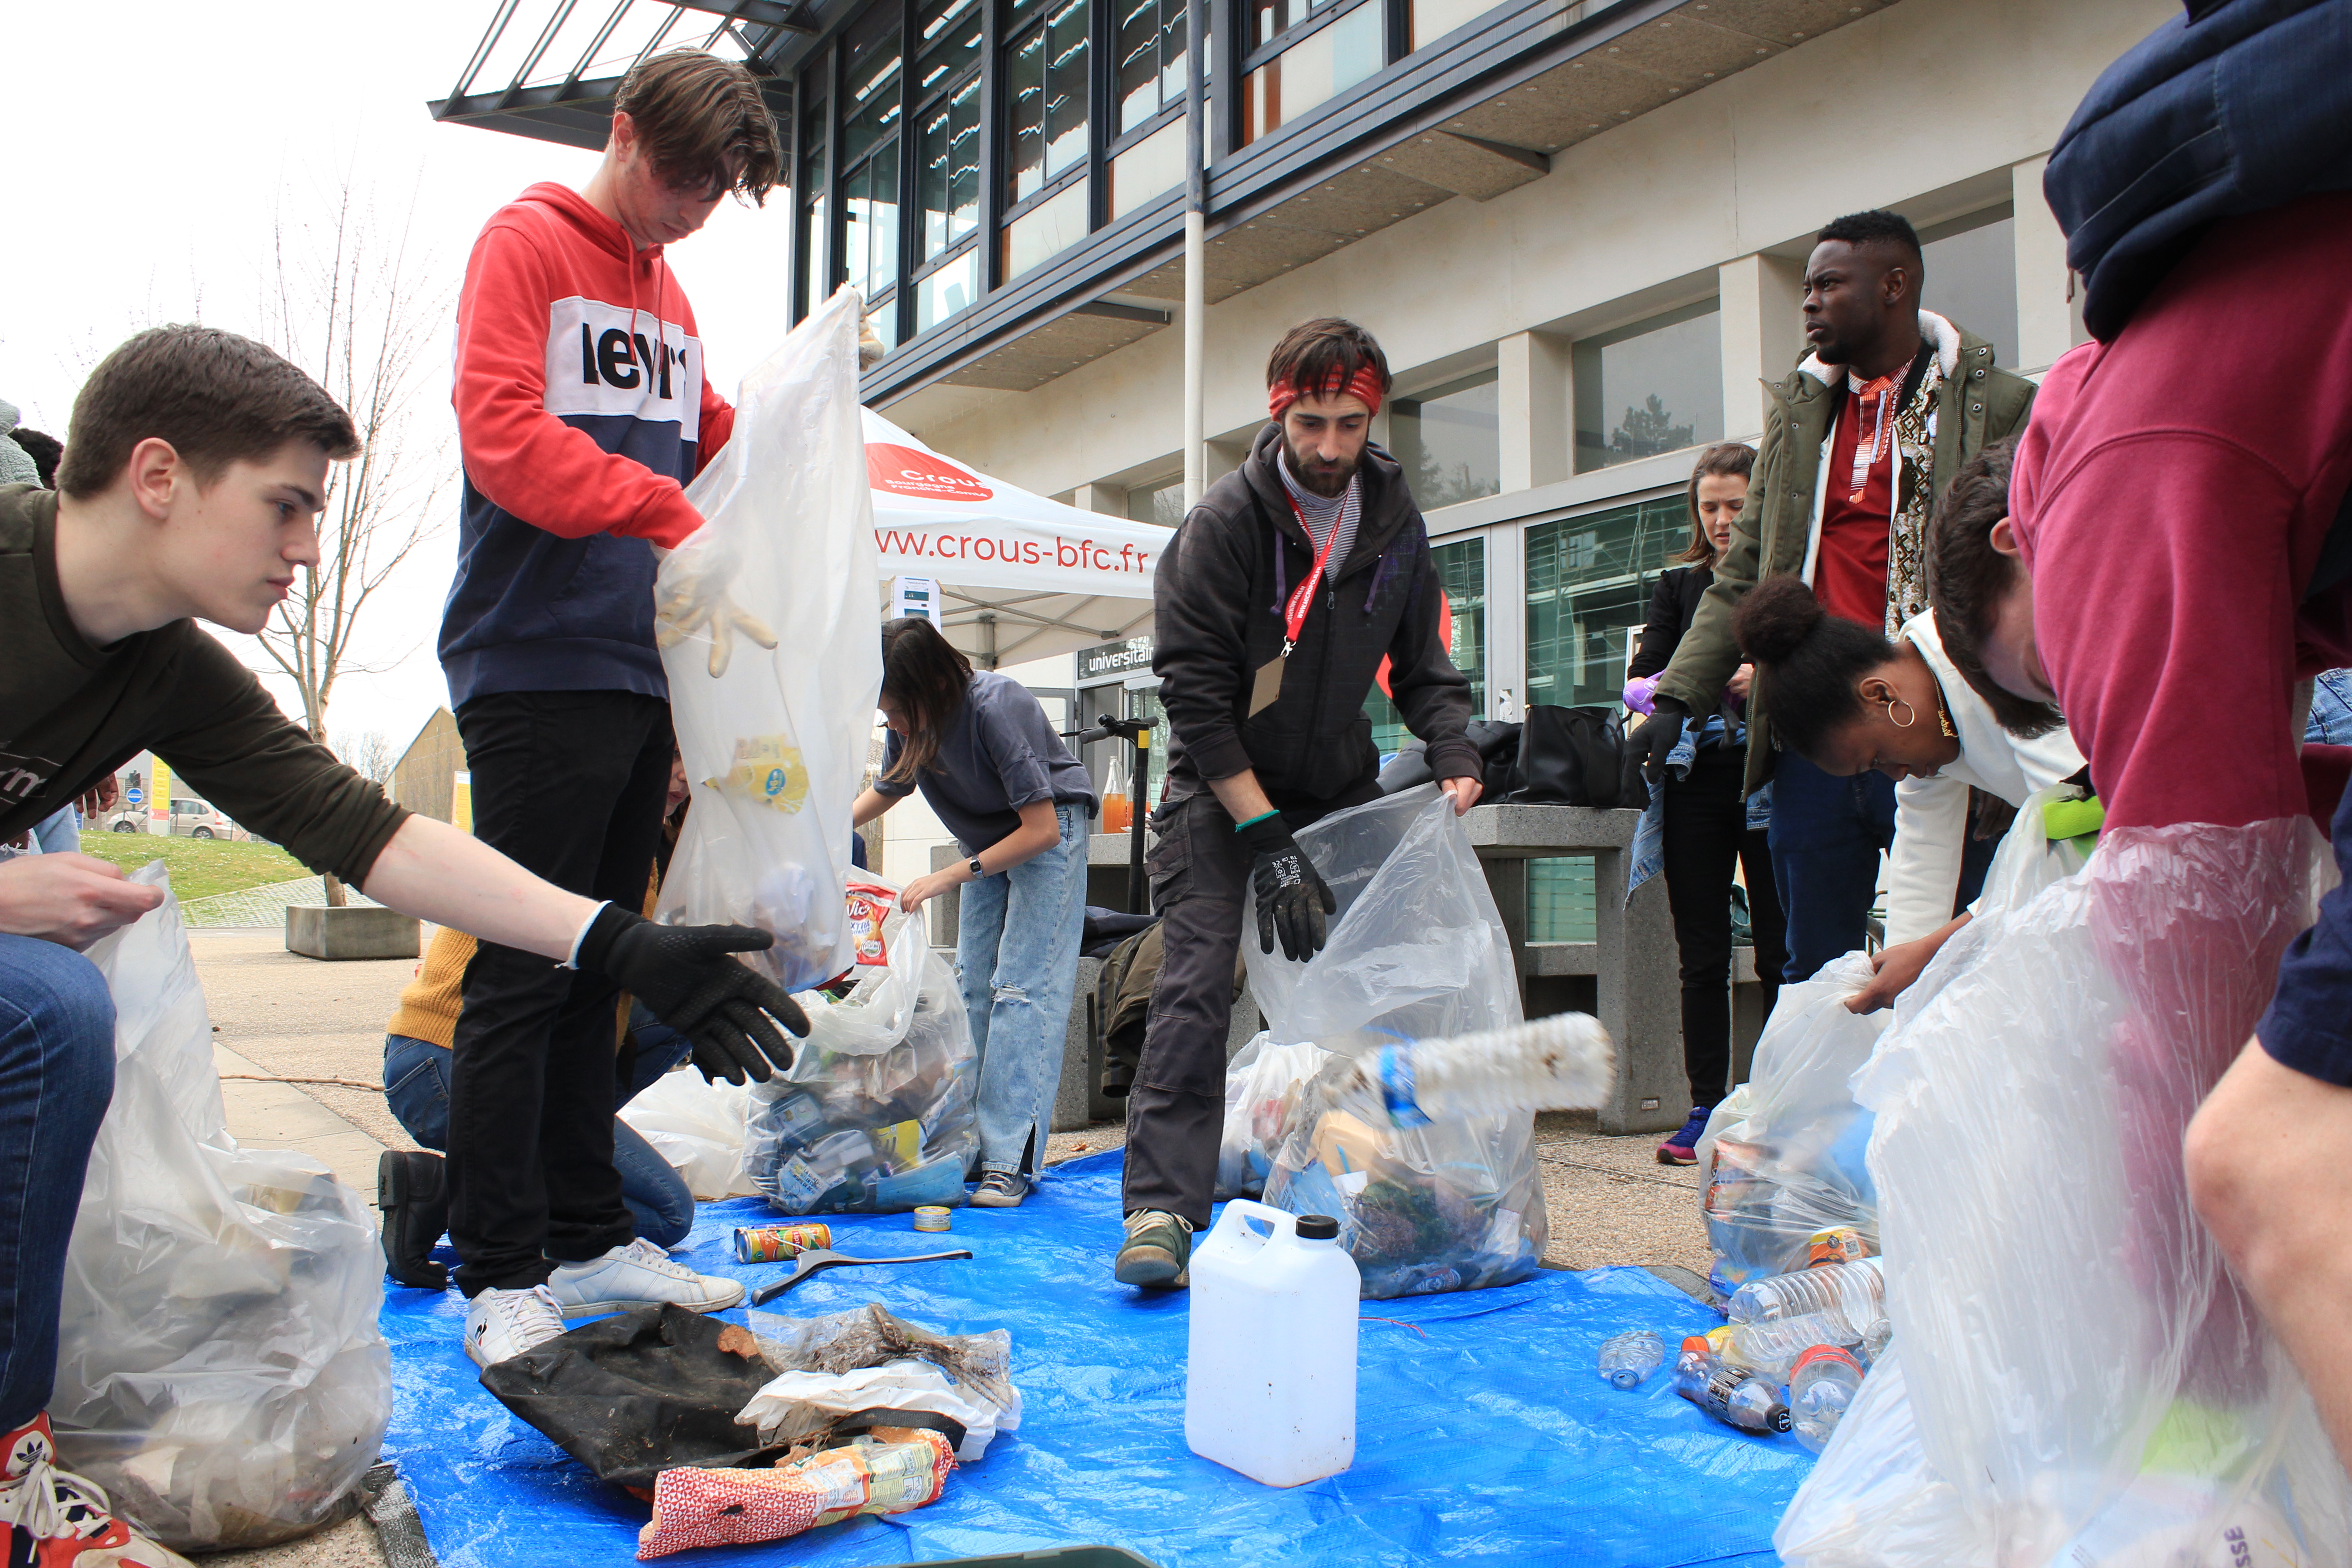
[1707,834]
[1200,873]
[569,785]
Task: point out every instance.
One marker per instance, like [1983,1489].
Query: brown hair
[1326,351]
[1735,458]
[704,123]
[1968,579]
[217,397]
[922,673]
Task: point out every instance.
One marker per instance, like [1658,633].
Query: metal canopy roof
[557,83]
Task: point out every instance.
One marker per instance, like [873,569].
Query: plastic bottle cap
[1317,1228]
[1698,1343]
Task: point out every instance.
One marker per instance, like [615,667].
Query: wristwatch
[976,872]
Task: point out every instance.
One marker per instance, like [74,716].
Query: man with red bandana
[1277,600]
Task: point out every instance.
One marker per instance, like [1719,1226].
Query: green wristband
[1253,821]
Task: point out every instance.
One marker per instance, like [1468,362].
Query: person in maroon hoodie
[583,409]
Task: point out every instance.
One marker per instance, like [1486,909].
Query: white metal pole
[1196,281]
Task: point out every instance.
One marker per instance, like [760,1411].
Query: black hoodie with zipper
[1218,593]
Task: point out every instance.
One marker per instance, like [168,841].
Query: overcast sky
[146,176]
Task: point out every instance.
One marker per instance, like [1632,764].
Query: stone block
[354,930]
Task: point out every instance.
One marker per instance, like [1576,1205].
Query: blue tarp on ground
[1482,1433]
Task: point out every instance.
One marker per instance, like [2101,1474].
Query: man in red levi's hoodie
[582,407]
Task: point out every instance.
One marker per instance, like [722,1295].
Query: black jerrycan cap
[1317,1228]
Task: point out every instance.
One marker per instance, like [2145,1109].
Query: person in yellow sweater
[410,1186]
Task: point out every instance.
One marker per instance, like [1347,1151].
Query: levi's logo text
[604,359]
[925,476]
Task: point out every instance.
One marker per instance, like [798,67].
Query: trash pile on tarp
[220,1372]
[1482,1435]
[1781,1162]
[774,729]
[2074,1377]
[1417,951]
[876,1112]
[1262,1087]
[745,1434]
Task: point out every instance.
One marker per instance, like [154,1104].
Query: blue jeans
[56,1075]
[416,1086]
[1017,937]
[1826,836]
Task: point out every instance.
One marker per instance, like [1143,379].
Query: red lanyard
[1302,598]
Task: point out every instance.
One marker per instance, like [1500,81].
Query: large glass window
[949,167]
[1655,386]
[1162,503]
[1269,19]
[1046,230]
[1461,572]
[1432,19]
[1449,441]
[1150,37]
[1150,168]
[1325,63]
[872,110]
[1587,584]
[814,122]
[1045,72]
[1971,278]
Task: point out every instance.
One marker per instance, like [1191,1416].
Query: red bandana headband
[1365,384]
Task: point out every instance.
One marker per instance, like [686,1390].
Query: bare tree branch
[347,302]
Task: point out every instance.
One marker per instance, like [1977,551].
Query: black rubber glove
[683,973]
[1660,736]
[1291,898]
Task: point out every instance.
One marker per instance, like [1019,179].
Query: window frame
[920,266]
[1640,327]
[1085,167]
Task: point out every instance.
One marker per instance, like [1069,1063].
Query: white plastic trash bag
[877,1113]
[698,1127]
[1417,952]
[775,663]
[1262,1097]
[1782,1156]
[2083,1382]
[843,1363]
[219,1369]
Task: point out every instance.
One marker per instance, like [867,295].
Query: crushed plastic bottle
[1875,1341]
[1627,1358]
[1564,1062]
[1822,1385]
[1773,1348]
[1857,1289]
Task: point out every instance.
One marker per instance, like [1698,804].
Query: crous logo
[902,470]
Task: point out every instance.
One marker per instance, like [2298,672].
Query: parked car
[193,818]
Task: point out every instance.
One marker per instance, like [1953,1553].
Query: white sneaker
[637,1275]
[501,1324]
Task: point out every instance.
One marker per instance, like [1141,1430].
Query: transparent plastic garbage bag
[1782,1155]
[700,1128]
[1262,1097]
[877,1112]
[766,621]
[219,1369]
[2083,1382]
[1416,952]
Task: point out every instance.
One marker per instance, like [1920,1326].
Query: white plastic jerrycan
[1270,1390]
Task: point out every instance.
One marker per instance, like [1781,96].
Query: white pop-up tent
[1020,576]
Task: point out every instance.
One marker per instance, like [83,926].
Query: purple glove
[1640,692]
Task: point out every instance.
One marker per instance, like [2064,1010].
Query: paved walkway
[262,906]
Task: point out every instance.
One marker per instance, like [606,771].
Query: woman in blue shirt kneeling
[1022,809]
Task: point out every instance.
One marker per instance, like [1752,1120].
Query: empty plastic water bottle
[1857,1289]
[1821,1386]
[1772,1347]
[1564,1062]
[1693,1367]
[1627,1358]
[1875,1339]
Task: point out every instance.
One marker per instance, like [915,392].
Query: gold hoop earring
[1901,723]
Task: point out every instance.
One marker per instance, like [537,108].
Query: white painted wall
[1960,97]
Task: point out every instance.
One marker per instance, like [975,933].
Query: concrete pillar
[1108,500]
[2048,321]
[1762,302]
[1532,374]
[1506,622]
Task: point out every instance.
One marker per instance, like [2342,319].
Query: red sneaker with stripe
[51,1517]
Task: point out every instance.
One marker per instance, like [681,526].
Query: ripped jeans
[1017,960]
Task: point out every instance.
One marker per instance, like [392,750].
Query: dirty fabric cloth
[1482,1433]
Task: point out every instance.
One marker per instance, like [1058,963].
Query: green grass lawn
[200,867]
